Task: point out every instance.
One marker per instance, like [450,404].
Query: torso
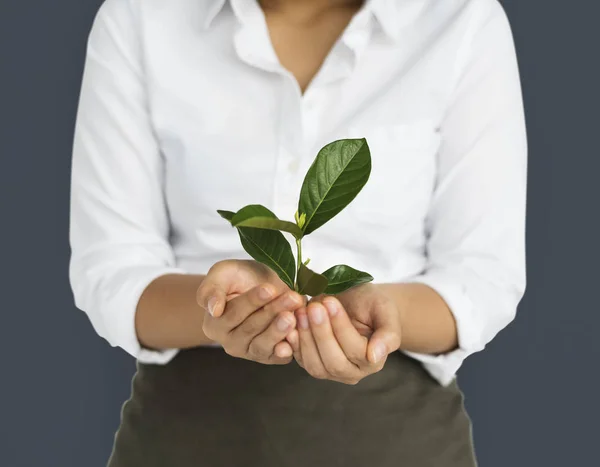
[234,127]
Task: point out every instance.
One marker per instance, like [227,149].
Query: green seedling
[338,173]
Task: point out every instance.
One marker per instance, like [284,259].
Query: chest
[234,130]
[302,44]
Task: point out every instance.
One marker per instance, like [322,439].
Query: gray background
[532,395]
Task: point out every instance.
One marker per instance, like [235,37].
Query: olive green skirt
[206,408]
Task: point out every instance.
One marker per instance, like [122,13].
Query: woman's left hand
[331,340]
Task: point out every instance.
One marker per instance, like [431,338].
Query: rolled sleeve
[119,226]
[444,367]
[110,294]
[476,221]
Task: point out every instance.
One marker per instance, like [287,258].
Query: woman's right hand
[249,311]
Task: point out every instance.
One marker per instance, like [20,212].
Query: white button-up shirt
[185,109]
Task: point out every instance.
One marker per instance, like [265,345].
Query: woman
[190,106]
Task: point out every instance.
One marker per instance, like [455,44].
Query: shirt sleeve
[476,221]
[118,220]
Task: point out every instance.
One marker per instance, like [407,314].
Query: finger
[294,340]
[382,343]
[352,343]
[309,355]
[263,345]
[332,356]
[242,306]
[283,350]
[260,320]
[212,296]
[317,298]
[362,328]
[386,337]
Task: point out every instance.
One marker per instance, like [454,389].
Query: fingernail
[316,314]
[283,324]
[290,302]
[332,307]
[303,321]
[284,352]
[265,293]
[379,352]
[212,302]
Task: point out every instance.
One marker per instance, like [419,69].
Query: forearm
[427,323]
[168,315]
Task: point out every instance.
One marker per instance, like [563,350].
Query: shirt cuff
[122,324]
[443,367]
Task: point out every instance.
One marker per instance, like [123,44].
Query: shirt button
[293,165]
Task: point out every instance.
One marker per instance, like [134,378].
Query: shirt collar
[391,15]
[209,9]
[395,15]
[386,13]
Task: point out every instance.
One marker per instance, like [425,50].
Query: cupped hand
[249,311]
[347,337]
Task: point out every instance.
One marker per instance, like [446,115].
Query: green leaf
[268,247]
[337,175]
[256,215]
[310,282]
[267,223]
[228,215]
[252,210]
[342,277]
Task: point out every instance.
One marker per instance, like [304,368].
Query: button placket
[284,184]
[291,141]
[293,166]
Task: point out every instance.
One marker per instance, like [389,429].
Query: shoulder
[139,10]
[481,15]
[126,18]
[469,14]
[475,10]
[478,24]
[115,9]
[152,17]
[114,17]
[150,8]
[459,24]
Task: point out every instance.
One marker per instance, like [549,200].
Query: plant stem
[299,246]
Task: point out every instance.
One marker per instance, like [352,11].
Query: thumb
[211,296]
[385,339]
